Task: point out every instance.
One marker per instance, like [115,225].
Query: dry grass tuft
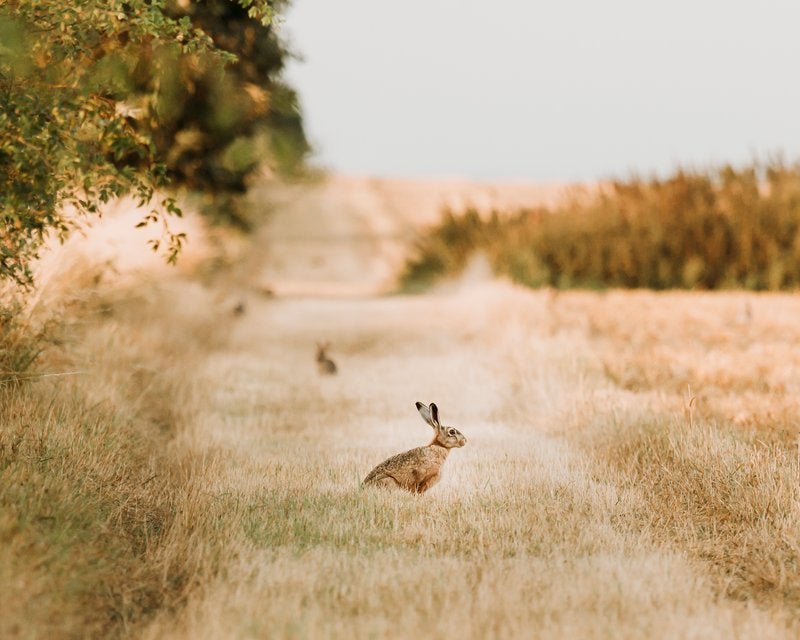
[731,501]
[700,424]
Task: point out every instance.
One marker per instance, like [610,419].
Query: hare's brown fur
[325,365]
[419,469]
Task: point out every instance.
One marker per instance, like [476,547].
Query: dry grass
[554,521]
[717,228]
[92,482]
[719,478]
[630,471]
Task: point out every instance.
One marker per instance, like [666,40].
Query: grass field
[631,466]
[582,506]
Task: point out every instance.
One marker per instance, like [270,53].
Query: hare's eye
[451,432]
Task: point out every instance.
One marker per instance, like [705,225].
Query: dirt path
[348,236]
[330,254]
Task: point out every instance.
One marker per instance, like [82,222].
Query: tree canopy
[100,98]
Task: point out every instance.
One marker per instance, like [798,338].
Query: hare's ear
[429,414]
[435,414]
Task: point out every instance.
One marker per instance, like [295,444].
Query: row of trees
[100,98]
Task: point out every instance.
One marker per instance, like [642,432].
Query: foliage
[97,98]
[727,228]
[450,246]
[219,117]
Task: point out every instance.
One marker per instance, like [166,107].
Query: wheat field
[631,467]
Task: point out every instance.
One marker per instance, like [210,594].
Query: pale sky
[571,89]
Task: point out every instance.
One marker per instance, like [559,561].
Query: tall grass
[93,540]
[698,420]
[729,499]
[22,340]
[199,479]
[718,229]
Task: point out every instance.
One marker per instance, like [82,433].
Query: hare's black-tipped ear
[427,414]
[434,414]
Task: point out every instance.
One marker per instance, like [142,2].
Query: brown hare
[419,469]
[326,366]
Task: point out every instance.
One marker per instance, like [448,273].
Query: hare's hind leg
[386,482]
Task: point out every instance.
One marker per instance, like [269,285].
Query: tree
[98,98]
[217,123]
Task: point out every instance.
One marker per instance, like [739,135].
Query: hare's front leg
[427,482]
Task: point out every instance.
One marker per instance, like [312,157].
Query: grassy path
[541,527]
[631,466]
[521,536]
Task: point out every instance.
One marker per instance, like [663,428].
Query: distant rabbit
[419,469]
[327,367]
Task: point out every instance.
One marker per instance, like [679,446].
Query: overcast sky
[570,89]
